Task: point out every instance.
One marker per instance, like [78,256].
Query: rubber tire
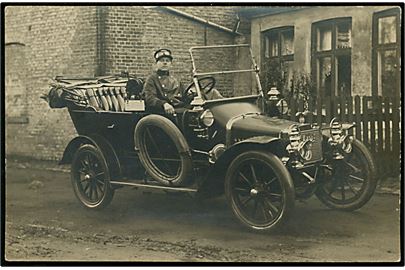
[368,191]
[108,193]
[284,178]
[181,145]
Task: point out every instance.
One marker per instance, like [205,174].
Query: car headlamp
[335,130]
[207,118]
[273,94]
[282,106]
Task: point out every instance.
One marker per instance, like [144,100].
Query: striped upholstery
[107,98]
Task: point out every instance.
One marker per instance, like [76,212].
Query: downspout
[101,16]
[199,20]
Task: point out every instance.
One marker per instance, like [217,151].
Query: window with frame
[331,56]
[278,56]
[386,53]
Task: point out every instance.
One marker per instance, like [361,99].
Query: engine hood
[260,125]
[250,125]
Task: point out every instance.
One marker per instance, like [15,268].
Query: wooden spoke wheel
[90,177]
[349,183]
[259,189]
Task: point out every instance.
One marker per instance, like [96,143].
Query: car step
[150,186]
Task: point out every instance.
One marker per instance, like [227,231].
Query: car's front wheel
[349,183]
[259,189]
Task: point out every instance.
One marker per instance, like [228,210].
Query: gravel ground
[45,223]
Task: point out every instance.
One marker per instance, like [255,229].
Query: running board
[180,189]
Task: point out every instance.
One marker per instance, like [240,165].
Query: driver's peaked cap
[163,53]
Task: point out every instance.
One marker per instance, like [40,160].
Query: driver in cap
[162,90]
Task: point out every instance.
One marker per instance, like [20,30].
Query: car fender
[214,181]
[258,142]
[102,144]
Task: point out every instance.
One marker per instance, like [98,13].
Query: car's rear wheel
[349,183]
[260,190]
[91,178]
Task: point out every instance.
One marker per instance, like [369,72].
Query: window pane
[344,75]
[287,72]
[387,79]
[287,42]
[344,36]
[266,47]
[387,30]
[273,39]
[325,75]
[324,39]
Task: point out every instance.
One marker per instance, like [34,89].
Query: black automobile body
[235,145]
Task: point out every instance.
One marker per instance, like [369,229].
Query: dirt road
[44,222]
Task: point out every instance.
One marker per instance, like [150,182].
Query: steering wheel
[206,85]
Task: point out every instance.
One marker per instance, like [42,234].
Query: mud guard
[102,144]
[213,185]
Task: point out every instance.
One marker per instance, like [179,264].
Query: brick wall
[57,41]
[16,83]
[132,36]
[72,41]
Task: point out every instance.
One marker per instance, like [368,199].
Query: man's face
[164,63]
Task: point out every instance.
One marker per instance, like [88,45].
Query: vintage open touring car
[230,145]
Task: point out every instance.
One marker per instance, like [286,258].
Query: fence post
[395,135]
[311,109]
[357,112]
[387,127]
[372,118]
[319,110]
[350,109]
[293,107]
[343,108]
[379,125]
[328,109]
[379,142]
[364,121]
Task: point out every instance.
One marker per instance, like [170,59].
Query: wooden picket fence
[377,124]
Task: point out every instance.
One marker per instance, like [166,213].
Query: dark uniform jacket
[160,89]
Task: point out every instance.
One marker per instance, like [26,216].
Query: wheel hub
[254,192]
[87,177]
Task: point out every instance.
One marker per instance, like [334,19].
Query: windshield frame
[198,100]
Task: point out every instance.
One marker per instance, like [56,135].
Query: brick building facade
[42,42]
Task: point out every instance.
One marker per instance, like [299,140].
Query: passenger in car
[162,91]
